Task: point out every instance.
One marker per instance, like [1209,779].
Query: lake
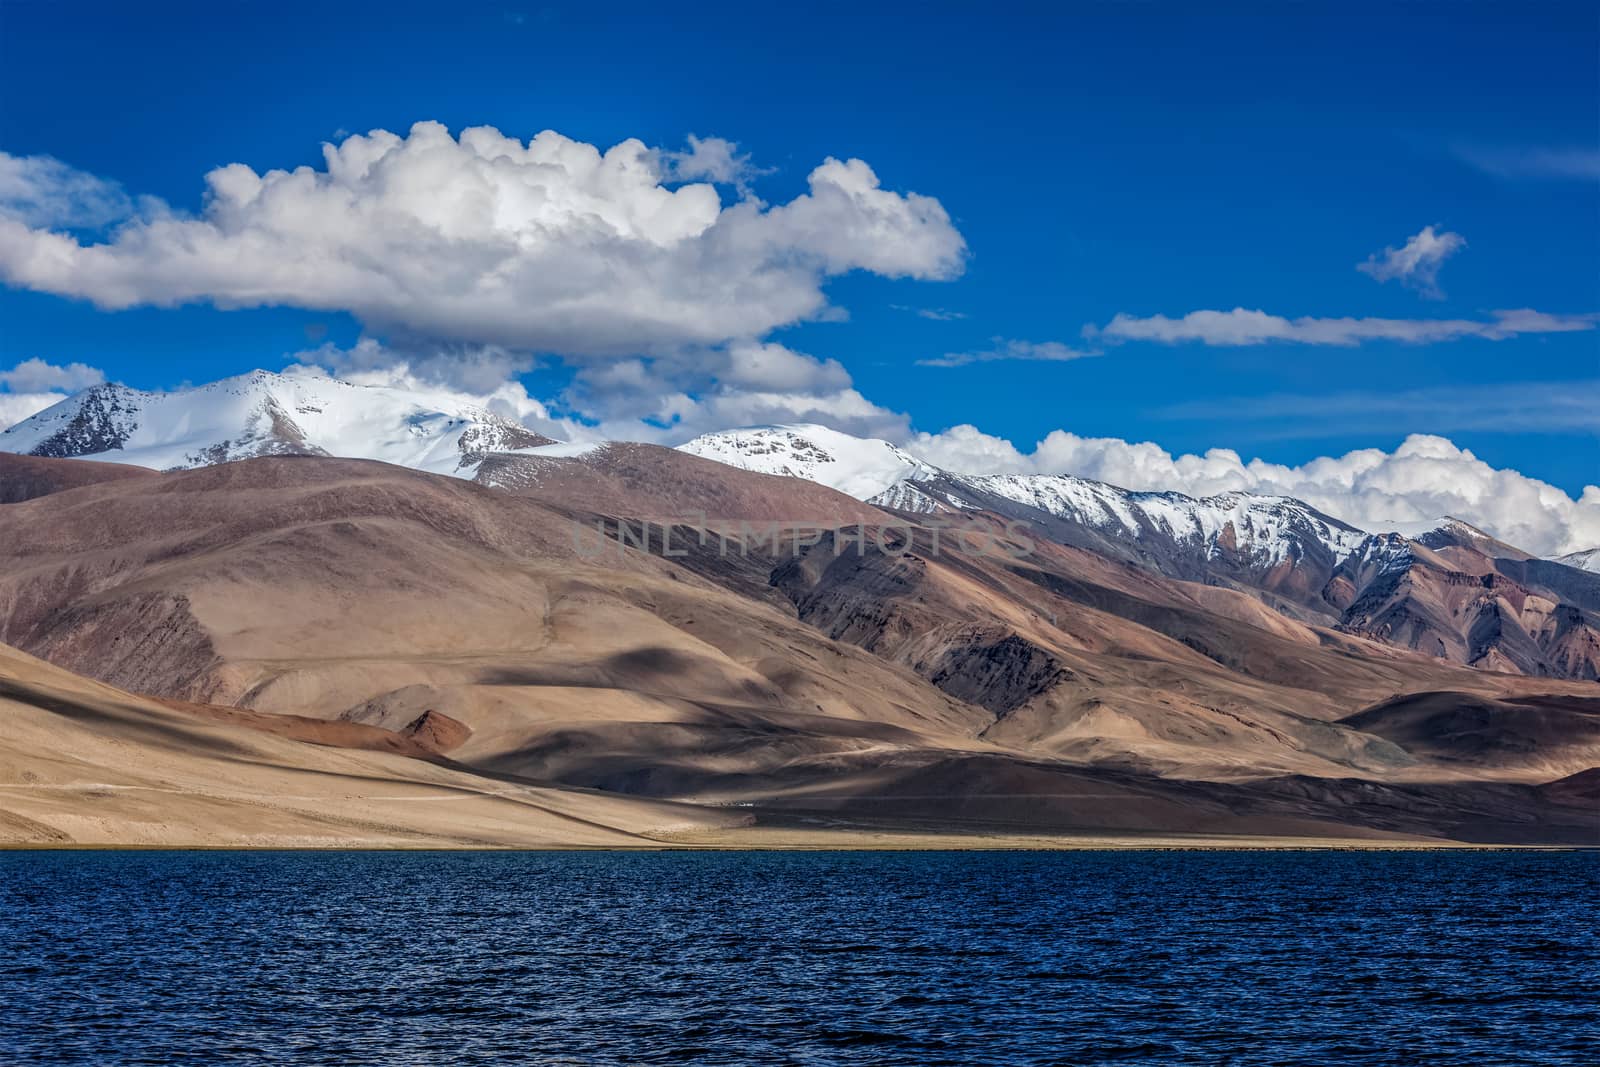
[913,958]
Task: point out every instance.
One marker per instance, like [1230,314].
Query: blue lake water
[800,958]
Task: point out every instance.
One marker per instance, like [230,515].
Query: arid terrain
[314,651]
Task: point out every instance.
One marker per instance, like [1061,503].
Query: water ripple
[913,959]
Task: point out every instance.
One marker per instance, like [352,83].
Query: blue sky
[1101,160]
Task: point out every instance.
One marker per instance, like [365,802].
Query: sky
[1352,252]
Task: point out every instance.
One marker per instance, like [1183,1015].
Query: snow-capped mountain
[1271,527]
[1587,560]
[265,414]
[1441,588]
[864,468]
[1268,529]
[1277,545]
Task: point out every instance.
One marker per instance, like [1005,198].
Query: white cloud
[1425,478]
[848,222]
[469,253]
[1244,327]
[476,377]
[14,407]
[712,159]
[44,192]
[844,409]
[966,449]
[666,399]
[483,240]
[1002,349]
[469,370]
[773,367]
[672,398]
[1416,263]
[1575,164]
[33,385]
[934,314]
[37,376]
[1508,407]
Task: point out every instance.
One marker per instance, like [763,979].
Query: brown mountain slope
[1088,657]
[381,597]
[83,763]
[1290,579]
[651,482]
[1542,737]
[1082,659]
[374,594]
[1443,595]
[26,477]
[1453,593]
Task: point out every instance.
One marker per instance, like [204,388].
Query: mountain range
[574,626]
[265,414]
[1448,590]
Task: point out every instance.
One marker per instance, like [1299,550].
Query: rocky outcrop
[1443,596]
[102,422]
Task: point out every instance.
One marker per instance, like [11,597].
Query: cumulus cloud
[475,370]
[712,159]
[844,409]
[484,240]
[33,385]
[37,376]
[672,398]
[1245,327]
[664,399]
[470,254]
[1002,349]
[43,192]
[773,367]
[478,377]
[1416,263]
[1426,478]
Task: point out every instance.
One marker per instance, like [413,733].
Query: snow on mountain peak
[1388,552]
[261,414]
[1586,560]
[860,467]
[1268,528]
[1414,528]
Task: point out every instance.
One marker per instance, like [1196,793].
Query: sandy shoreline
[779,840]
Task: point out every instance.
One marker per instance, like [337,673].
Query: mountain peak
[1586,560]
[862,467]
[265,413]
[1447,531]
[1255,531]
